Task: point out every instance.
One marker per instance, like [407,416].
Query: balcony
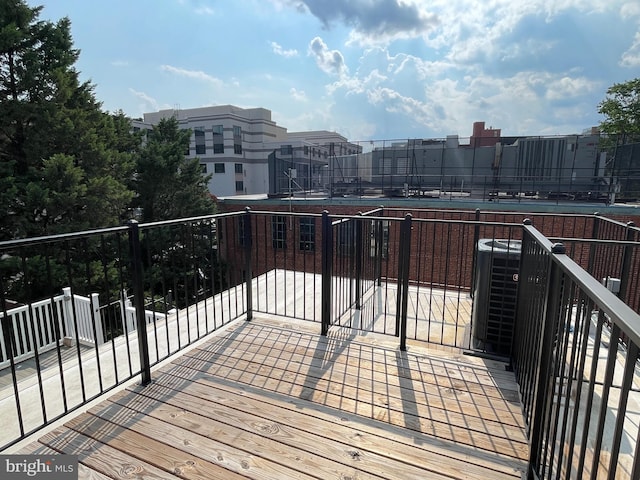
[289,345]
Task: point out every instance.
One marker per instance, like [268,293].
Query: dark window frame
[279,232]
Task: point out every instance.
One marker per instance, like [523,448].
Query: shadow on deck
[273,399]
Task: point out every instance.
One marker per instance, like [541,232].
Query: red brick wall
[441,252]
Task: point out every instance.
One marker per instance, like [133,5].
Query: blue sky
[369,69]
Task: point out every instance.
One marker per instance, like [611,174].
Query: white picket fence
[34,325]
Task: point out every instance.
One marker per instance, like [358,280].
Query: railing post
[545,360]
[594,247]
[476,238]
[327,259]
[358,253]
[379,246]
[138,299]
[94,300]
[625,274]
[406,254]
[248,267]
[400,283]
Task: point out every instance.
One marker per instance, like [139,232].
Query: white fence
[37,325]
[129,314]
[65,316]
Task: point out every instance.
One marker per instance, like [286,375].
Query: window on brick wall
[307,234]
[279,231]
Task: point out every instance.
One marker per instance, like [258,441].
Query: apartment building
[247,153]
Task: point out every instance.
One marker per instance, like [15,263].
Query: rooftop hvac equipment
[495,294]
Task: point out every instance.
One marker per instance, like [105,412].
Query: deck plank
[273,399]
[280,412]
[408,413]
[303,447]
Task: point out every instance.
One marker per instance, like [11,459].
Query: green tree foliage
[621,109]
[54,135]
[168,184]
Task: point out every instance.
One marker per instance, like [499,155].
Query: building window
[200,146]
[279,231]
[237,131]
[237,148]
[238,168]
[307,234]
[239,186]
[286,150]
[306,150]
[218,142]
[203,167]
[218,168]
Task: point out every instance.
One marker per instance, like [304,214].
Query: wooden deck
[272,399]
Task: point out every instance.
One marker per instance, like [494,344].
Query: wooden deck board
[263,400]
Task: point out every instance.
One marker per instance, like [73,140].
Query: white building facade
[235,145]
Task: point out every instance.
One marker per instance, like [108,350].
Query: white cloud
[631,58]
[630,10]
[329,61]
[194,74]
[298,95]
[147,100]
[567,87]
[120,63]
[278,50]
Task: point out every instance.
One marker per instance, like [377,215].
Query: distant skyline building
[484,137]
[247,153]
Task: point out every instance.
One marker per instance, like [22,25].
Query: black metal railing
[575,357]
[69,331]
[417,275]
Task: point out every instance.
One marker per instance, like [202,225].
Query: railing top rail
[343,218]
[497,212]
[595,241]
[618,223]
[22,242]
[177,221]
[292,214]
[618,312]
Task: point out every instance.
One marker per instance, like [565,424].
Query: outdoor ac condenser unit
[495,294]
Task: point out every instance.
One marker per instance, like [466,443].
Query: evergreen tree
[168,184]
[52,126]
